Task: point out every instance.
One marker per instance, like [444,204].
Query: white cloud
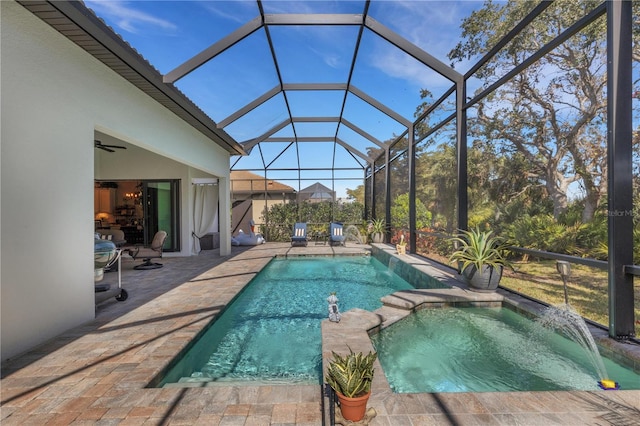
[434,26]
[127,17]
[334,60]
[238,13]
[397,64]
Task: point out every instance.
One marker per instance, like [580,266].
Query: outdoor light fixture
[564,269]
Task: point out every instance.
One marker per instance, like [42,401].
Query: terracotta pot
[353,408]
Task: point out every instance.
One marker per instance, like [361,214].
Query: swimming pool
[484,350]
[271,331]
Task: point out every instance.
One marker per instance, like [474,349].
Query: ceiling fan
[107,148]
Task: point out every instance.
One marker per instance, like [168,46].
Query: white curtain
[205,213]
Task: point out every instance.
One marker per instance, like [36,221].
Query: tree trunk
[590,206]
[556,186]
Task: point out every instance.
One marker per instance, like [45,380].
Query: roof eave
[80,25]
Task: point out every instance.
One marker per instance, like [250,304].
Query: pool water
[271,331]
[485,350]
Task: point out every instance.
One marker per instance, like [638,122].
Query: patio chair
[147,253]
[299,234]
[336,234]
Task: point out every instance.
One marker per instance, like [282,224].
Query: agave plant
[351,375]
[479,248]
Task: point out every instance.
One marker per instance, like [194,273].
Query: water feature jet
[393,261]
[391,266]
[565,320]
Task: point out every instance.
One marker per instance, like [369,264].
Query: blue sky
[167,33]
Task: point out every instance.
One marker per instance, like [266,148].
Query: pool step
[390,315]
[413,299]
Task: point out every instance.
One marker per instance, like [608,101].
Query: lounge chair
[148,253]
[336,234]
[299,234]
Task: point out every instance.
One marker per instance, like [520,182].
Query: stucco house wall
[55,96]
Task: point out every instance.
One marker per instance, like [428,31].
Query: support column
[620,173]
[371,199]
[461,136]
[411,154]
[387,191]
[224,215]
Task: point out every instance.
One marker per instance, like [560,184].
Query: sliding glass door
[161,211]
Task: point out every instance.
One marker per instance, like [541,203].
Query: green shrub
[400,213]
[544,233]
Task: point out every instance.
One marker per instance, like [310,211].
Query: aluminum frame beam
[413,50]
[353,150]
[249,107]
[310,139]
[508,37]
[362,133]
[564,36]
[306,139]
[312,19]
[315,120]
[265,137]
[315,86]
[379,106]
[213,50]
[312,87]
[252,142]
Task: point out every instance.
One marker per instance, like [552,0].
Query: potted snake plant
[377,228]
[481,258]
[350,376]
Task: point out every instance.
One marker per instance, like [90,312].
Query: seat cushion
[145,253]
